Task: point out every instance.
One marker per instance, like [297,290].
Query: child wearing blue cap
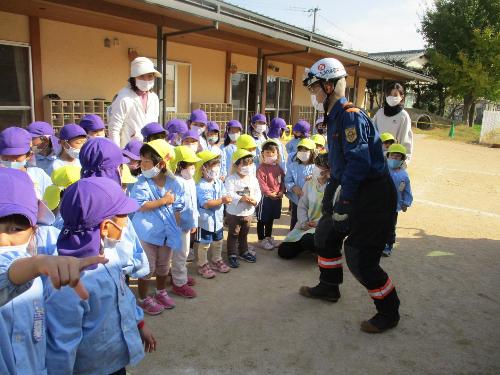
[161,200]
[198,123]
[22,308]
[15,151]
[212,137]
[72,137]
[153,131]
[109,322]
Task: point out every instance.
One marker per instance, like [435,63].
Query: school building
[60,59]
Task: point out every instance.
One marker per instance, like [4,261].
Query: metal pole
[164,72]
[258,89]
[159,59]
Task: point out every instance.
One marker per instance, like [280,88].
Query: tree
[463,44]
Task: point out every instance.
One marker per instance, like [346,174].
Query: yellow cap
[245,141]
[162,148]
[384,137]
[205,156]
[127,177]
[318,139]
[307,143]
[240,153]
[396,147]
[185,153]
[61,179]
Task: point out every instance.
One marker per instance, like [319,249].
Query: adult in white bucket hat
[135,105]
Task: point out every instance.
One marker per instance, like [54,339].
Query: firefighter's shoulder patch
[351,134]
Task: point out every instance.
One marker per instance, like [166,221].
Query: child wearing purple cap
[258,130]
[233,132]
[191,139]
[22,309]
[44,144]
[212,137]
[198,123]
[72,137]
[132,151]
[176,128]
[276,130]
[109,323]
[15,151]
[161,199]
[153,131]
[93,125]
[300,131]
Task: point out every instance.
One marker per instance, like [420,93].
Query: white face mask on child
[245,171]
[188,173]
[303,156]
[234,136]
[151,173]
[213,173]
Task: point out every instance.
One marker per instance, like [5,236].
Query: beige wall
[76,65]
[14,27]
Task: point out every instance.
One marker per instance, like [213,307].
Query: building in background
[225,59]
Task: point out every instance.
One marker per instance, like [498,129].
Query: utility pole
[314,11]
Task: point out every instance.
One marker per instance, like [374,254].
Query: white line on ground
[468,171]
[465,209]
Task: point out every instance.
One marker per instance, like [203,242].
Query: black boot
[387,315]
[322,291]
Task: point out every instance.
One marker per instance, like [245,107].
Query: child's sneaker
[387,252]
[247,257]
[265,244]
[220,266]
[164,299]
[206,272]
[151,307]
[273,242]
[183,291]
[191,280]
[233,261]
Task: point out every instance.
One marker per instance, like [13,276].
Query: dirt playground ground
[446,267]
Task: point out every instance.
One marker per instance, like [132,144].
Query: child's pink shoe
[206,272]
[151,306]
[183,291]
[191,280]
[164,299]
[220,266]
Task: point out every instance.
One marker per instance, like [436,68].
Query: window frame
[30,72]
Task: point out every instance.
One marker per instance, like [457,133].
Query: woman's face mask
[393,100]
[144,85]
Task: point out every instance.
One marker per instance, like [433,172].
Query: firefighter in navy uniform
[359,201]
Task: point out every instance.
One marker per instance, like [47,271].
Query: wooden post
[227,86]
[36,65]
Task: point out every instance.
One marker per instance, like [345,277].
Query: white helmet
[327,69]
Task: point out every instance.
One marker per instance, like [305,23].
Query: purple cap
[40,129]
[302,126]
[152,128]
[101,157]
[234,124]
[92,123]
[18,197]
[70,131]
[191,134]
[132,150]
[275,127]
[15,141]
[212,126]
[84,206]
[198,115]
[174,127]
[258,117]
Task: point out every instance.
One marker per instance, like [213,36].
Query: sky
[365,25]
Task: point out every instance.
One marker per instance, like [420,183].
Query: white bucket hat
[142,65]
